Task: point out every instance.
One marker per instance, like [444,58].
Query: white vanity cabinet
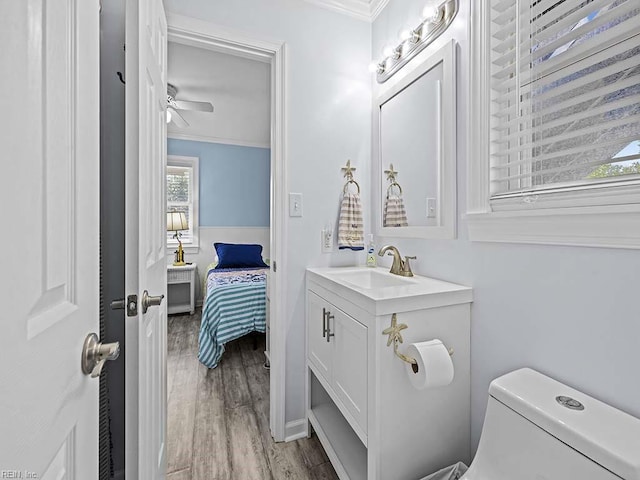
[371,421]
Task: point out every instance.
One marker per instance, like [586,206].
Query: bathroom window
[182,196]
[557,110]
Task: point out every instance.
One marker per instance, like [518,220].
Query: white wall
[570,312]
[328,121]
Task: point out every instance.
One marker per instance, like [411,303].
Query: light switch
[431,208]
[295,204]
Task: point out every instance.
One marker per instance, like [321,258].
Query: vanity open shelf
[370,419]
[343,446]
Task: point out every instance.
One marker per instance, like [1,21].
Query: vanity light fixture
[435,21]
[431,13]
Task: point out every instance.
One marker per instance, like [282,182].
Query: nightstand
[181,288]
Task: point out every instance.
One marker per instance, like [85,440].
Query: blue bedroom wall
[234,182]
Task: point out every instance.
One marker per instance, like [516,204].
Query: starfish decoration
[348,170]
[394,331]
[391,173]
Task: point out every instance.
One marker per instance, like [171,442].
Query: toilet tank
[529,435]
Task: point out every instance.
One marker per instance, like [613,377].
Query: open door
[145,233]
[50,136]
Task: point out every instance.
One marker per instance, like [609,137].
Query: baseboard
[295,430]
[119,475]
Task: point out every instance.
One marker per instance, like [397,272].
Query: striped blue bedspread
[235,304]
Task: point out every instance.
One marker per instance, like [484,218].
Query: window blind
[180,197]
[565,94]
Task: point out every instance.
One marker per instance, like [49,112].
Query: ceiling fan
[174,105]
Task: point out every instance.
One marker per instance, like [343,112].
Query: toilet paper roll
[435,368]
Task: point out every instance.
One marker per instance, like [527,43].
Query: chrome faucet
[399,266]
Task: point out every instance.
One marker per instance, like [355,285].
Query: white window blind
[565,95]
[180,196]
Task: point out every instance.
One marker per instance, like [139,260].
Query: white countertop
[380,292]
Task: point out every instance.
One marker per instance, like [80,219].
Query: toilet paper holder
[395,337]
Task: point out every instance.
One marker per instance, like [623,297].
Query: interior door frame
[198,33]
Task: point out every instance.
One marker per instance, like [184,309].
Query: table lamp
[177,221]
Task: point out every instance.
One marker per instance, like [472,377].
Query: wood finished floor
[218,419]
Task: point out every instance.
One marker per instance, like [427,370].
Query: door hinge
[275,267]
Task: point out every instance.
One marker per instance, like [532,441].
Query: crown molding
[211,139]
[366,10]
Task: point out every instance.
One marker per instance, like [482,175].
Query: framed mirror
[415,172]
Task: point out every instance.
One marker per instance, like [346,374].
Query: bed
[234,305]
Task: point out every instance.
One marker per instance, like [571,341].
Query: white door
[145,233]
[49,133]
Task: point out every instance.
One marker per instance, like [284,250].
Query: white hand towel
[394,214]
[350,225]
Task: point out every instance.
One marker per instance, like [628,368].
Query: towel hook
[391,176]
[348,170]
[348,173]
[391,173]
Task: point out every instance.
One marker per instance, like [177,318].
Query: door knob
[95,354]
[150,301]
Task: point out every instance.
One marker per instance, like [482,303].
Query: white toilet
[537,428]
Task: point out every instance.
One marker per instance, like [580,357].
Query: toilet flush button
[569,402]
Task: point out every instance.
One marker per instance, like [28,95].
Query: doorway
[190,32]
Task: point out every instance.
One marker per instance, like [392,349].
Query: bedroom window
[182,196]
[557,111]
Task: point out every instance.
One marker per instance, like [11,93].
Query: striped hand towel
[350,225]
[394,214]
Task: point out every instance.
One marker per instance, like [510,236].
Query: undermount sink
[370,279]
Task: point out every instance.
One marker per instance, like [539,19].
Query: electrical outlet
[327,240]
[431,208]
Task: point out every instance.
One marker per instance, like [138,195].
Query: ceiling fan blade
[177,118]
[195,106]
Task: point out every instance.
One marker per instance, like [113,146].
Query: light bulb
[168,115]
[373,67]
[430,13]
[388,51]
[410,36]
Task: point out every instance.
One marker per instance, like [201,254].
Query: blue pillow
[241,255]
